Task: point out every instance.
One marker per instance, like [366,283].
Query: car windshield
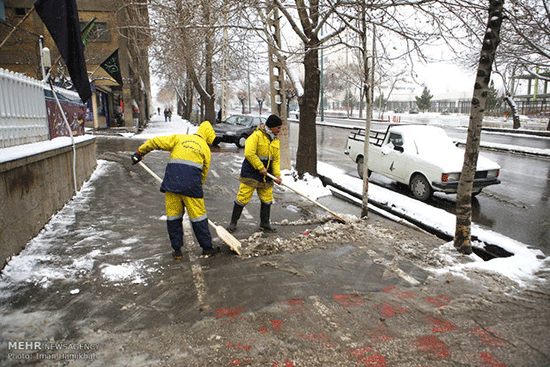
[239,120]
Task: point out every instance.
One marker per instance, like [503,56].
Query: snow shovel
[339,218]
[225,236]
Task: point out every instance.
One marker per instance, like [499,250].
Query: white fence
[23,116]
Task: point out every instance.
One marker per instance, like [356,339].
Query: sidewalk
[99,287]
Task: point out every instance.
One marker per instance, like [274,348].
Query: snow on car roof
[425,138]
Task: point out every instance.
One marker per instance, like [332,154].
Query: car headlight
[230,133]
[493,173]
[450,177]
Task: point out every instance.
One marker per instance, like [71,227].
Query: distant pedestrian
[169,115]
[182,185]
[158,109]
[261,155]
[166,114]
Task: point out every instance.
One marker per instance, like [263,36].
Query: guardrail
[23,115]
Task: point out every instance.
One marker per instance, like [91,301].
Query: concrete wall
[34,188]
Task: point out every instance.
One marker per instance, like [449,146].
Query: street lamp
[46,60]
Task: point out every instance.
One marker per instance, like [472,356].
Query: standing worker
[182,185]
[261,155]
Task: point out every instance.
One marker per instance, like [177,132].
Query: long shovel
[310,199]
[225,236]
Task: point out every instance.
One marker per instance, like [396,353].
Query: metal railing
[23,115]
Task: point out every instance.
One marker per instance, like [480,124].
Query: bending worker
[261,155]
[182,185]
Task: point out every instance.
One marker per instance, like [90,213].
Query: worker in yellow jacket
[185,174]
[261,155]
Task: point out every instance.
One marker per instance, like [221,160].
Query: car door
[390,160]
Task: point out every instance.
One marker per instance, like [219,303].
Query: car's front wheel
[420,187]
[241,141]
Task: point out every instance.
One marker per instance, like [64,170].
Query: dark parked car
[236,129]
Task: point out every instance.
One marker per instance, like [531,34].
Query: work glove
[136,157]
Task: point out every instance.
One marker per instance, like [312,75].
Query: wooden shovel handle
[310,199]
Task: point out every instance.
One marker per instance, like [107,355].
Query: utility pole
[322,83]
[224,71]
[276,82]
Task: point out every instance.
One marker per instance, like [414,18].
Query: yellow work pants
[245,194]
[175,208]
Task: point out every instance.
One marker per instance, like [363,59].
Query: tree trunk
[462,239]
[368,88]
[306,155]
[515,113]
[189,99]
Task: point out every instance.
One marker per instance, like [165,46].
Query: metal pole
[224,71]
[277,87]
[70,134]
[41,45]
[322,87]
[249,105]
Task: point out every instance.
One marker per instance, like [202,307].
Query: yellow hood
[206,132]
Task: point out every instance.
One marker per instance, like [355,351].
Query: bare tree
[189,36]
[526,41]
[411,25]
[491,40]
[242,98]
[306,19]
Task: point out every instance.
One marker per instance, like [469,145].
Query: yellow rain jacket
[189,161]
[260,152]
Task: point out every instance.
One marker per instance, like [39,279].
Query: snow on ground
[521,267]
[21,151]
[34,264]
[40,263]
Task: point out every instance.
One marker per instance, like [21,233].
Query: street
[519,207]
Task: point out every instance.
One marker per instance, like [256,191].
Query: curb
[488,252]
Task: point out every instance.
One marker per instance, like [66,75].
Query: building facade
[119,25]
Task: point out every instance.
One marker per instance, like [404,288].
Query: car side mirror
[399,148]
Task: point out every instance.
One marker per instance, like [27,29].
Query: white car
[420,156]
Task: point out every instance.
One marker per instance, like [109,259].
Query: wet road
[518,208]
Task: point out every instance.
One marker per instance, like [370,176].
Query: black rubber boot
[210,251]
[237,210]
[265,211]
[177,254]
